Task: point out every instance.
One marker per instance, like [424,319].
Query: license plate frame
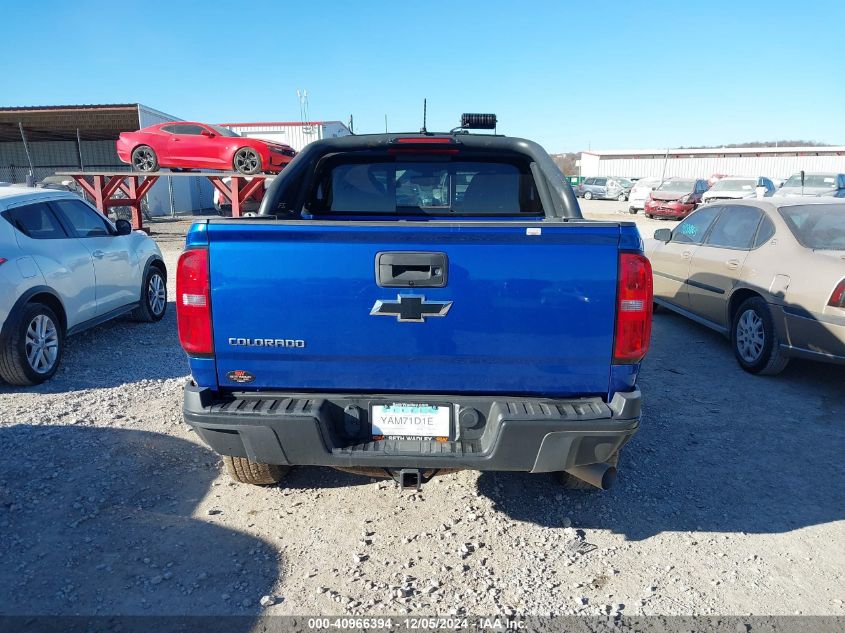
[431,420]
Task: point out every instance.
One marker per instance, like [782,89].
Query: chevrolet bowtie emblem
[411,308]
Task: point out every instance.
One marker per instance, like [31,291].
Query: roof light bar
[471,121]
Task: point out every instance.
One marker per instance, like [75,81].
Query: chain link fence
[44,152]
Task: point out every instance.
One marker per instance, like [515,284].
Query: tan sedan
[770,274]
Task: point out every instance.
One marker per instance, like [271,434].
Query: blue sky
[569,75]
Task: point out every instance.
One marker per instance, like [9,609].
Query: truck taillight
[633,309]
[193,302]
[837,299]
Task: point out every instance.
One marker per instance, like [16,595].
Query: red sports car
[188,145]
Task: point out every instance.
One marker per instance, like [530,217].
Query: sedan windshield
[817,226]
[222,131]
[825,181]
[734,184]
[677,185]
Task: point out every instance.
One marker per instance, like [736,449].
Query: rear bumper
[489,433]
[811,336]
[124,150]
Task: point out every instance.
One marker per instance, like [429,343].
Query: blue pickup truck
[408,304]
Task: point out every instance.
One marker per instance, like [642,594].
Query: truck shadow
[100,522]
[311,477]
[755,455]
[92,359]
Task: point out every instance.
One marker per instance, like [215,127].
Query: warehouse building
[42,140]
[773,162]
[292,133]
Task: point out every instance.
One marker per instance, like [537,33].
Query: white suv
[64,267]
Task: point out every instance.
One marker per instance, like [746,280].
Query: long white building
[292,133]
[774,162]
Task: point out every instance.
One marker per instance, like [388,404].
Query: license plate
[407,419]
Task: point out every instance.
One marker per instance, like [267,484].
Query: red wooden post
[135,189]
[239,191]
[137,216]
[99,202]
[235,185]
[114,183]
[103,192]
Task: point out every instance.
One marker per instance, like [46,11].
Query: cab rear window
[427,187]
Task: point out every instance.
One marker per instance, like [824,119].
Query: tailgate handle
[411,270]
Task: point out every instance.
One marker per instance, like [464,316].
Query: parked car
[188,145]
[767,273]
[393,315]
[815,184]
[640,192]
[64,268]
[675,198]
[737,187]
[604,188]
[60,183]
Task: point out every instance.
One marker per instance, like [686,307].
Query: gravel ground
[729,501]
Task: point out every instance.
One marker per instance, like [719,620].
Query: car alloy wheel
[42,344]
[143,159]
[588,195]
[247,161]
[622,197]
[750,336]
[156,294]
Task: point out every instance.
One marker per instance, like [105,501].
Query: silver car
[814,184]
[604,188]
[64,267]
[737,187]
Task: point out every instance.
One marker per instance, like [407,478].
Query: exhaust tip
[602,476]
[609,478]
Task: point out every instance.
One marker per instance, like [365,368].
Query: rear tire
[632,211]
[754,339]
[621,197]
[144,158]
[649,216]
[153,297]
[245,471]
[570,482]
[588,195]
[33,351]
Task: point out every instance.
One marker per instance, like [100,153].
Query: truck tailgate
[527,308]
